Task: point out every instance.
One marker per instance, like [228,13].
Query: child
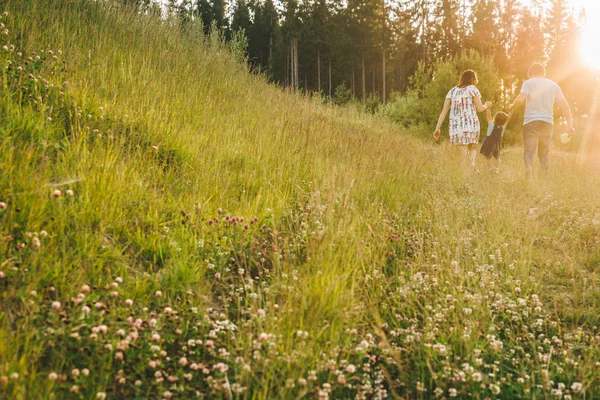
[490,147]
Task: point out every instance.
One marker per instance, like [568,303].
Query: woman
[464,101]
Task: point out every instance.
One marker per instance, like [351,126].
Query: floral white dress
[464,122]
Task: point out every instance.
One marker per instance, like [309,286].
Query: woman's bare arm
[442,117]
[479,106]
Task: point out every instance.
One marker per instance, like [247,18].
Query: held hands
[487,105]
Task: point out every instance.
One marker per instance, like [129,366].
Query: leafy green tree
[419,108]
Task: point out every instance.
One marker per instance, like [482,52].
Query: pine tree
[291,28]
[529,43]
[556,23]
[219,14]
[262,36]
[509,19]
[405,50]
[448,30]
[203,9]
[562,40]
[484,35]
[317,30]
[364,31]
[240,19]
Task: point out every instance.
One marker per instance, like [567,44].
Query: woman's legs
[464,153]
[471,153]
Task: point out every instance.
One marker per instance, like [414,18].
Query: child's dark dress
[493,141]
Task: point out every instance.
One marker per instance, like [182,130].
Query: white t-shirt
[541,95]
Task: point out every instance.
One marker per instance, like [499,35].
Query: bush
[342,94]
[420,106]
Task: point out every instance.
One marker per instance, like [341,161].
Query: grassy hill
[174,227]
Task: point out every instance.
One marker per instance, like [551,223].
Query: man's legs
[530,142]
[545,137]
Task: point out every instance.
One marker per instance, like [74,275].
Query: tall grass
[215,236]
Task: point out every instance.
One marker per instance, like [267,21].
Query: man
[540,93]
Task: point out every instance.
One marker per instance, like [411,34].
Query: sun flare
[590,40]
[590,44]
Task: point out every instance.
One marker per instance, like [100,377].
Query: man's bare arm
[563,104]
[521,98]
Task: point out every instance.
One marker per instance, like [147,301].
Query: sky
[592,9]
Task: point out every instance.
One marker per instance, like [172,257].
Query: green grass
[368,263]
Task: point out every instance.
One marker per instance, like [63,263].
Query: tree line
[367,49]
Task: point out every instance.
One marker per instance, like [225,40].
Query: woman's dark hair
[501,118]
[468,78]
[537,69]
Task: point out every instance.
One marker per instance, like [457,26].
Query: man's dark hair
[537,69]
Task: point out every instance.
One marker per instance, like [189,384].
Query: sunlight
[590,43]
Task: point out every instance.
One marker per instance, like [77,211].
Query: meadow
[172,226]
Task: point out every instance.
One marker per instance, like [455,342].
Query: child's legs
[496,162]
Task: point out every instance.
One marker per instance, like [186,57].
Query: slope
[173,226]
